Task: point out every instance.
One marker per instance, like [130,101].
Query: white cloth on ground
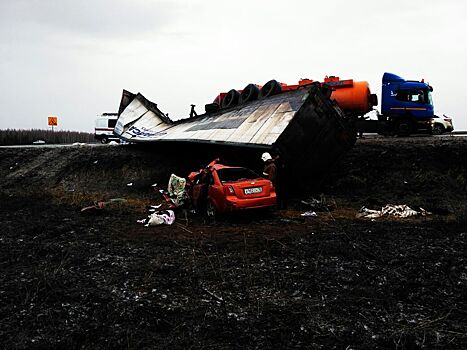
[166,217]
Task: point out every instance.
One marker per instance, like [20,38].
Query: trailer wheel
[104,140]
[211,107]
[272,87]
[249,93]
[437,129]
[231,99]
[404,127]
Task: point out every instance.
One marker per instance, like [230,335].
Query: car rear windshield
[236,174]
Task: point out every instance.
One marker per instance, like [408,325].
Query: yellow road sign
[52,121]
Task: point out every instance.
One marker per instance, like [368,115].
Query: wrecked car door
[200,191]
[216,191]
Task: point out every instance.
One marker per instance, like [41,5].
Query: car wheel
[437,129]
[104,140]
[211,211]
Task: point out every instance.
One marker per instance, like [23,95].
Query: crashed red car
[219,189]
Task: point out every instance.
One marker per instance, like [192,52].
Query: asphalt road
[369,135]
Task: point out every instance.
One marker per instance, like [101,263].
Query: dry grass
[83,199]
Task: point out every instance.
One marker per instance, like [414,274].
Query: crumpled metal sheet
[399,211]
[259,122]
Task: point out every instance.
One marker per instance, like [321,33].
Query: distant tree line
[27,137]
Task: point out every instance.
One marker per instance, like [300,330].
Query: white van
[104,130]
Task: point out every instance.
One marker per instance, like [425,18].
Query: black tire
[249,93]
[211,107]
[437,129]
[231,99]
[373,100]
[272,87]
[104,140]
[404,127]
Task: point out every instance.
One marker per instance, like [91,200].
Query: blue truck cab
[406,105]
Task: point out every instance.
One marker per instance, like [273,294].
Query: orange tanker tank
[353,97]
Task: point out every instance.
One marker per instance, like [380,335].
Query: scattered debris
[102,204]
[129,184]
[309,214]
[400,211]
[183,227]
[321,204]
[166,217]
[176,190]
[153,208]
[175,197]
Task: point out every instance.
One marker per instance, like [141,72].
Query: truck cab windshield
[422,96]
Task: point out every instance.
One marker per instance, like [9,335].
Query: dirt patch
[258,280]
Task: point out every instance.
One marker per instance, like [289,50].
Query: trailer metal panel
[258,123]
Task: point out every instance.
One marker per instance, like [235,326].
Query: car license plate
[253,190]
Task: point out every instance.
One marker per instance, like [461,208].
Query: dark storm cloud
[20,19]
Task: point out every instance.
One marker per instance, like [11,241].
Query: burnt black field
[257,280]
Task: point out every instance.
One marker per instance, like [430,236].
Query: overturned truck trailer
[308,129]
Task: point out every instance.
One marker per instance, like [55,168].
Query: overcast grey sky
[73,58]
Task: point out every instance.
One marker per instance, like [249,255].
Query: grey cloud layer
[72,58]
[84,18]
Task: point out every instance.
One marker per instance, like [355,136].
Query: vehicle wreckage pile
[304,126]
